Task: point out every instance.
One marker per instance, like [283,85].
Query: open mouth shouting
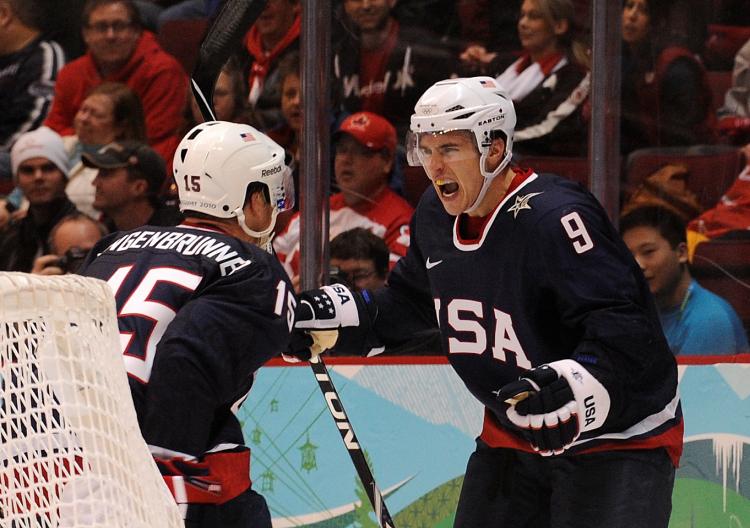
[446,188]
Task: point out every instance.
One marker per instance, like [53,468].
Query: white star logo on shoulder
[522,202]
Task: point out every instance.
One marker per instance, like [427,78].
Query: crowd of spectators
[90,124]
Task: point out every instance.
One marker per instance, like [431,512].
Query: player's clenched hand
[319,315]
[553,404]
[309,344]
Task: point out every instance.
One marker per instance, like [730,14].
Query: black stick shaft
[350,442]
[222,38]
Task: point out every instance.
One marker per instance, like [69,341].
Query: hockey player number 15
[577,232]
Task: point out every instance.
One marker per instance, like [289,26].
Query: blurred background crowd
[94,99]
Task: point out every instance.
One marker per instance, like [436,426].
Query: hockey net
[71,452]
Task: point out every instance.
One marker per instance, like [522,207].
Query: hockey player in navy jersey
[201,306]
[544,315]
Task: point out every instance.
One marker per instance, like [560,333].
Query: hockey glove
[319,315]
[553,404]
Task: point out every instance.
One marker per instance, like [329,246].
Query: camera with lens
[71,261]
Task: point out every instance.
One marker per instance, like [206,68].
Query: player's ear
[5,14]
[682,252]
[389,161]
[256,209]
[561,27]
[140,186]
[496,152]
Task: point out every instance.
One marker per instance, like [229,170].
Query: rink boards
[417,424]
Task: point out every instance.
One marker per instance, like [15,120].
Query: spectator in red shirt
[120,50]
[365,146]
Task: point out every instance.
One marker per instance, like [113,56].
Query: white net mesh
[71,454]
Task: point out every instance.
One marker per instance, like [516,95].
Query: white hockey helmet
[216,161]
[476,104]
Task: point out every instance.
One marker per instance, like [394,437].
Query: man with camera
[69,241]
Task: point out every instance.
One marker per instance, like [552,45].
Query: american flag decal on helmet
[247,136]
[488,83]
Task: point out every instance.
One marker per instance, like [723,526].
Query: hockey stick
[234,19]
[222,38]
[350,442]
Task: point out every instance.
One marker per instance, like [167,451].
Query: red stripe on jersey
[671,440]
[713,359]
[218,478]
[494,435]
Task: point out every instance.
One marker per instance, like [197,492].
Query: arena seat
[573,168]
[720,82]
[722,265]
[712,168]
[182,39]
[722,44]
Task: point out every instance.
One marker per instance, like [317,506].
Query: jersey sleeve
[405,311]
[582,266]
[395,318]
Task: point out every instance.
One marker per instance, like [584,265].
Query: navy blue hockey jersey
[548,278]
[199,312]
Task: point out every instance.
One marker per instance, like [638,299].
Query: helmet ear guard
[216,161]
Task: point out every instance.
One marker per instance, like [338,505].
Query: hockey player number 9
[577,232]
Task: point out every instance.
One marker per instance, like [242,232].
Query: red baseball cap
[371,130]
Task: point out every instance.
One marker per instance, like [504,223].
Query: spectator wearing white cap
[40,169]
[364,154]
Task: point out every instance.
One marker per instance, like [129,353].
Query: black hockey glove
[319,315]
[553,404]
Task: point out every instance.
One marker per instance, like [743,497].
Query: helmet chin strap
[488,177]
[264,237]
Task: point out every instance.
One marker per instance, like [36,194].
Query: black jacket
[27,84]
[26,239]
[417,61]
